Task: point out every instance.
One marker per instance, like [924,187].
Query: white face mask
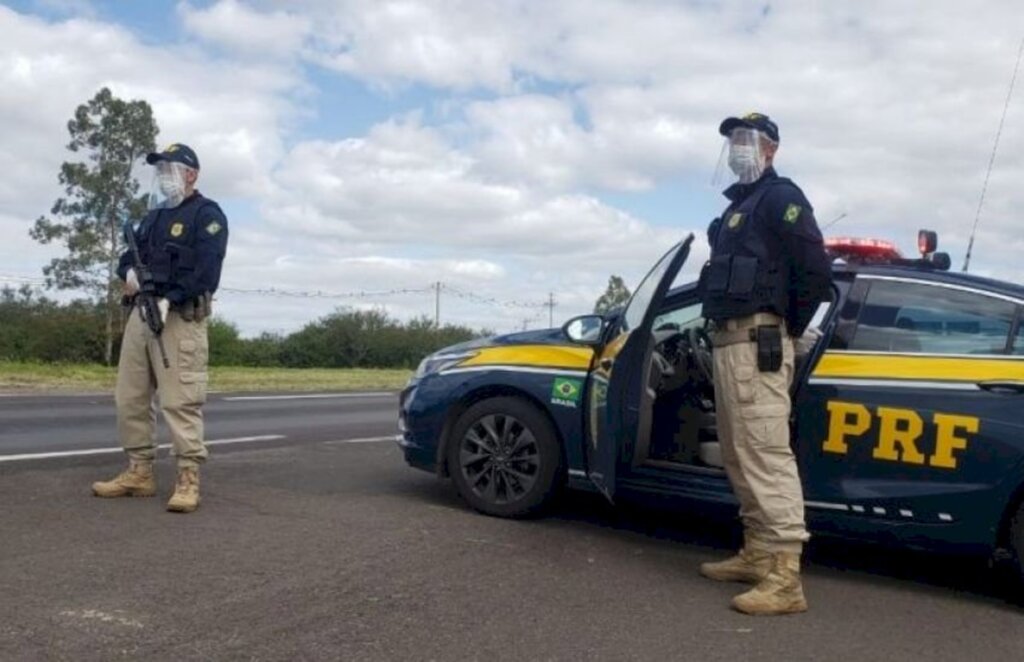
[171,186]
[744,162]
[168,188]
[746,158]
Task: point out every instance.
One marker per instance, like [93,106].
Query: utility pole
[437,305]
[550,305]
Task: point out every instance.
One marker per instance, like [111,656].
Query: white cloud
[235,26]
[230,113]
[537,116]
[404,185]
[458,43]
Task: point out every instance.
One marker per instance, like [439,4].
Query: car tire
[504,457]
[1017,544]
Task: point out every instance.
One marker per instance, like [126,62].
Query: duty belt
[747,322]
[742,329]
[726,338]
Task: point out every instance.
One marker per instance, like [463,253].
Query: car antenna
[833,221]
[992,159]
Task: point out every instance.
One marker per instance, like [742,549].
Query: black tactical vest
[746,273]
[168,243]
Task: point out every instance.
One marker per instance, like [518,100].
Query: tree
[617,294]
[100,194]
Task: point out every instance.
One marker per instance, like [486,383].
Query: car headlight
[438,362]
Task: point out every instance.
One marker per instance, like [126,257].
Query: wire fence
[533,311]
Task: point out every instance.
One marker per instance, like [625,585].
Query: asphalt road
[40,424]
[323,545]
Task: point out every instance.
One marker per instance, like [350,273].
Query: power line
[14,278]
[471,296]
[321,294]
[436,288]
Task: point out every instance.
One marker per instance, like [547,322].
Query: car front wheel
[504,458]
[1017,541]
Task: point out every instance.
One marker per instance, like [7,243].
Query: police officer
[767,274]
[182,241]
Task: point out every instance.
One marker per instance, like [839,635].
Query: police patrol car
[907,408]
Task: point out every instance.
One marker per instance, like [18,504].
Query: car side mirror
[584,330]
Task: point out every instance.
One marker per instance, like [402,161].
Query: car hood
[545,350]
[536,337]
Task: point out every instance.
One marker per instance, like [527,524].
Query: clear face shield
[744,153]
[167,188]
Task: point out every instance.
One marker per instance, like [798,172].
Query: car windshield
[642,296]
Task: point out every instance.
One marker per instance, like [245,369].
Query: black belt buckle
[769,348]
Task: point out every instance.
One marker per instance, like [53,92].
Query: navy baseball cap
[762,123]
[177,153]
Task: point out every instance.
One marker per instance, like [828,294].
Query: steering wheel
[700,348]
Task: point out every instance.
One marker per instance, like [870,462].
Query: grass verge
[35,377]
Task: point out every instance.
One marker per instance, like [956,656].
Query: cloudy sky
[514,148]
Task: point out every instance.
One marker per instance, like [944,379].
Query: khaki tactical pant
[181,388]
[752,415]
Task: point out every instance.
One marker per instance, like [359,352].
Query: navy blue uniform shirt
[205,233]
[786,220]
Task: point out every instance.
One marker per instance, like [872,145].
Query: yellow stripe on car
[935,368]
[547,356]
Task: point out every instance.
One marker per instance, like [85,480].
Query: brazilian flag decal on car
[566,392]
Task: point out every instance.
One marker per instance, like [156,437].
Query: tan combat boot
[137,480]
[749,565]
[780,592]
[186,492]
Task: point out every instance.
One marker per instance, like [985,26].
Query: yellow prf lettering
[901,427]
[840,426]
[946,440]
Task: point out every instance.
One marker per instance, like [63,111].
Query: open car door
[621,394]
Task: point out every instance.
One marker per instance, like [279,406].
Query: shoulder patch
[213,228]
[734,221]
[792,213]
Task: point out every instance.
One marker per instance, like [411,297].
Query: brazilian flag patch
[213,228]
[792,213]
[734,221]
[566,392]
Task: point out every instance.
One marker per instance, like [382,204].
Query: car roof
[848,272]
[960,278]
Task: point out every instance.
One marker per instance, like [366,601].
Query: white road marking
[94,614]
[312,396]
[101,451]
[365,440]
[48,394]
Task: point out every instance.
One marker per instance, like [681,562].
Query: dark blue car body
[908,413]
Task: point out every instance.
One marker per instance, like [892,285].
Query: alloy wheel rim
[499,458]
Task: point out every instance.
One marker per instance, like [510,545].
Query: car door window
[1018,342]
[906,317]
[680,319]
[643,294]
